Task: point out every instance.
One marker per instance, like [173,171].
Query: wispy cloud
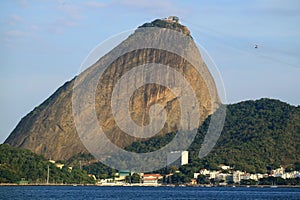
[23,3]
[95,4]
[68,14]
[278,7]
[14,20]
[71,10]
[16,33]
[61,24]
[147,4]
[156,7]
[12,37]
[34,27]
[17,18]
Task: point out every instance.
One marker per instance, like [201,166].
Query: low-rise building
[256,177]
[193,181]
[277,172]
[151,179]
[59,165]
[236,176]
[224,167]
[196,175]
[224,177]
[123,173]
[245,176]
[172,19]
[52,161]
[213,174]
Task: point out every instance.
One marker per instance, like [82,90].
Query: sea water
[100,192]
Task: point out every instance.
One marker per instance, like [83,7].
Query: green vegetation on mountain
[150,145]
[17,164]
[100,170]
[167,24]
[257,136]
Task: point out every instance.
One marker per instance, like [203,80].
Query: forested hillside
[257,135]
[21,164]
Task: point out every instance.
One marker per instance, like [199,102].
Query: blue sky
[43,43]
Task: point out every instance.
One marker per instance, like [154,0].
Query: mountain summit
[171,22]
[50,128]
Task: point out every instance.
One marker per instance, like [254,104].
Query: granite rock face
[50,128]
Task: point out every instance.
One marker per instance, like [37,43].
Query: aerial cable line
[252,48]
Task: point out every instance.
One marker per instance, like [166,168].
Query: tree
[297,166]
[8,176]
[173,169]
[179,178]
[201,179]
[248,182]
[272,181]
[21,163]
[136,178]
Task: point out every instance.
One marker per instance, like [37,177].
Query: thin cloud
[71,10]
[147,4]
[278,7]
[61,24]
[34,27]
[16,33]
[14,20]
[17,18]
[156,7]
[70,15]
[23,3]
[11,37]
[95,4]
[66,22]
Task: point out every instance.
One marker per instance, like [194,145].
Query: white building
[296,174]
[277,172]
[224,167]
[178,158]
[196,175]
[245,176]
[204,171]
[236,176]
[209,174]
[256,177]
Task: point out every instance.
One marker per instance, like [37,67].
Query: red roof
[152,176]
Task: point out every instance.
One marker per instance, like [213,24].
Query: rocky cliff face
[50,129]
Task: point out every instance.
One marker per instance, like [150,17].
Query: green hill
[257,135]
[17,164]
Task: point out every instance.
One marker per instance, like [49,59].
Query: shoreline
[141,185]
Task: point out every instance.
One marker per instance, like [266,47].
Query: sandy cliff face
[50,129]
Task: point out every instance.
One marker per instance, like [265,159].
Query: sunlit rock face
[50,129]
